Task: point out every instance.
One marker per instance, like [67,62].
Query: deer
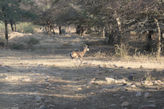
[79,54]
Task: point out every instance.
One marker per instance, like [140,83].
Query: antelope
[79,54]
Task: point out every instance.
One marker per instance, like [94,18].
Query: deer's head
[86,48]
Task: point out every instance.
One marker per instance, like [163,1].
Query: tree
[11,12]
[147,18]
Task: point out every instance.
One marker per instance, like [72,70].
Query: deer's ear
[86,45]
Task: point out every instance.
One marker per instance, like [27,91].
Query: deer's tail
[71,55]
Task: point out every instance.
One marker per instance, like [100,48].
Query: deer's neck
[84,51]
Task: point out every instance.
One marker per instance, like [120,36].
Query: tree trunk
[15,27]
[6,32]
[11,24]
[159,39]
[119,30]
[78,29]
[117,18]
[81,31]
[60,32]
[149,41]
[103,32]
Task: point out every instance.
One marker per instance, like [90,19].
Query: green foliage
[2,42]
[9,9]
[28,44]
[2,28]
[32,41]
[17,46]
[26,27]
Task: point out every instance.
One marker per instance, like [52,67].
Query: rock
[151,101]
[92,80]
[148,83]
[110,70]
[79,88]
[125,104]
[138,94]
[112,105]
[42,107]
[158,82]
[150,106]
[133,86]
[110,80]
[115,66]
[38,98]
[123,89]
[147,95]
[122,97]
[51,106]
[131,77]
[141,67]
[14,108]
[3,77]
[121,81]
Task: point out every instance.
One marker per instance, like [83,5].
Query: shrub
[2,28]
[2,42]
[148,77]
[32,41]
[26,27]
[17,46]
[121,50]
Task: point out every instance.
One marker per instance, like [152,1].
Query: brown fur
[79,54]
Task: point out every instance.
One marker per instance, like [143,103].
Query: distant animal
[79,54]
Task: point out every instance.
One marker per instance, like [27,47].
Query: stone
[131,77]
[147,95]
[141,67]
[150,106]
[125,104]
[14,108]
[133,86]
[138,94]
[79,88]
[122,97]
[158,82]
[38,98]
[148,83]
[123,89]
[121,81]
[42,107]
[110,80]
[112,105]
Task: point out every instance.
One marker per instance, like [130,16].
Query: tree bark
[149,41]
[103,32]
[81,31]
[6,32]
[15,27]
[120,30]
[60,30]
[117,18]
[11,24]
[78,29]
[159,39]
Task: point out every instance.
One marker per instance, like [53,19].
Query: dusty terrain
[47,78]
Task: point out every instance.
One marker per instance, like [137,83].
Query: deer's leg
[81,61]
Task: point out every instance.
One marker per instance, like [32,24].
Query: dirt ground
[47,78]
